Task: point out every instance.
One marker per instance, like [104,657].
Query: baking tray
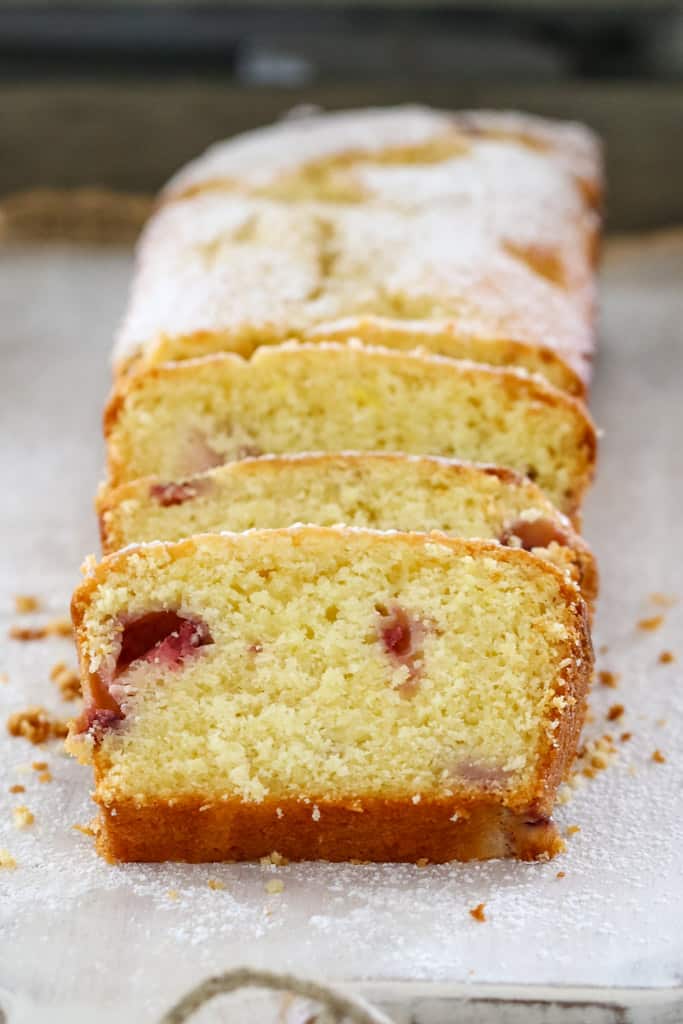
[81,939]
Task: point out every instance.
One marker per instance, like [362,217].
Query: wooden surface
[130,135]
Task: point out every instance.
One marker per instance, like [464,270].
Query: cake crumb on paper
[561,874]
[173,894]
[606,678]
[663,600]
[26,603]
[275,859]
[86,830]
[274,886]
[615,712]
[55,627]
[658,757]
[650,624]
[17,788]
[214,883]
[7,860]
[23,818]
[666,657]
[626,736]
[478,912]
[67,681]
[60,627]
[26,633]
[36,725]
[572,830]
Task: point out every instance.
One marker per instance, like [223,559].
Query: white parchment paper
[77,934]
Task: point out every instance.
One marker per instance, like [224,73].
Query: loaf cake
[178,419]
[380,491]
[328,693]
[223,272]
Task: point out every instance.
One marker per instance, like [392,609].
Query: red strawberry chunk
[178,492]
[534,533]
[161,638]
[402,637]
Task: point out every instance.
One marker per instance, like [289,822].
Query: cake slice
[364,489]
[178,419]
[328,693]
[229,273]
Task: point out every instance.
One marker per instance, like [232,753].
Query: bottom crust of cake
[380,830]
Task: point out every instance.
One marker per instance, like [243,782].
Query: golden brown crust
[518,385]
[360,829]
[574,684]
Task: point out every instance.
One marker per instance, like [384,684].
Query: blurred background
[118,95]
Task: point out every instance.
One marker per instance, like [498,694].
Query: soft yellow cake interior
[298,693]
[179,419]
[384,492]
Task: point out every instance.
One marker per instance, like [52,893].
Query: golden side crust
[361,829]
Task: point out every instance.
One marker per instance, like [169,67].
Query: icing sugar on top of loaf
[264,155]
[231,264]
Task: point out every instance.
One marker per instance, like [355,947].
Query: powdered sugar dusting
[259,158]
[264,154]
[205,265]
